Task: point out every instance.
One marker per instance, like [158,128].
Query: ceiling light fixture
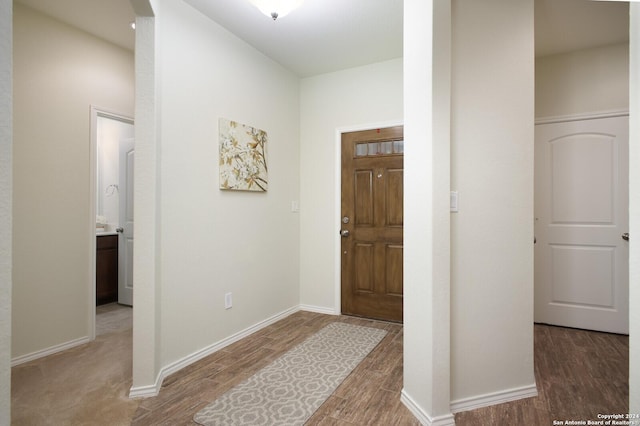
[276,8]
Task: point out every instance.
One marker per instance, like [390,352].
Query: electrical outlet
[228,301]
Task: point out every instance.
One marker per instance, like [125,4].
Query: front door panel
[372,193]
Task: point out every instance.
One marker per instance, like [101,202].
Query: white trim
[337,197]
[105,112]
[49,351]
[319,310]
[147,391]
[422,415]
[153,390]
[489,399]
[580,117]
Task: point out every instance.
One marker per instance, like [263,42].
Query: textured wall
[59,73]
[427,77]
[195,242]
[586,81]
[492,170]
[6,69]
[146,343]
[359,96]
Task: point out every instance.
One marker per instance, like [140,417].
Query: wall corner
[6,190]
[427,53]
[146,294]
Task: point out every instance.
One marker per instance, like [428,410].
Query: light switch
[454,201]
[295,207]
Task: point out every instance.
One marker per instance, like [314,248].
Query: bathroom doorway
[112,209]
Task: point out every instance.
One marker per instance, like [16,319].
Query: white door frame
[93,179]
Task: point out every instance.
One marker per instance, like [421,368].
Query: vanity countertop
[105,233]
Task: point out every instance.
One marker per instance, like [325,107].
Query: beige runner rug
[290,389]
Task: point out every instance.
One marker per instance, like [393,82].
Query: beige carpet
[290,389]
[85,385]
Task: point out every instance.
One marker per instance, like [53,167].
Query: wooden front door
[372,223]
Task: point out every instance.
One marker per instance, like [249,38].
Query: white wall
[582,82]
[427,97]
[6,99]
[492,168]
[361,96]
[59,72]
[210,241]
[146,292]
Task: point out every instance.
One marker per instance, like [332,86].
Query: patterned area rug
[289,390]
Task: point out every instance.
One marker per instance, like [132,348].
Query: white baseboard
[486,400]
[147,391]
[153,390]
[423,417]
[319,309]
[580,117]
[49,351]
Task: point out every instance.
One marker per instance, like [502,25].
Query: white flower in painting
[247,171]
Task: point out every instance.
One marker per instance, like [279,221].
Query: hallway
[84,385]
[579,375]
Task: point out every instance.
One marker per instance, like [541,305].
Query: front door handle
[625,236]
[344,233]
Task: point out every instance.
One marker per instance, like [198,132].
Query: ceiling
[329,35]
[318,37]
[107,19]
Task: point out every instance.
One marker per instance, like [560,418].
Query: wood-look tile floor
[370,395]
[579,374]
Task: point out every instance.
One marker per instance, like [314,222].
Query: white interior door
[125,240]
[581,212]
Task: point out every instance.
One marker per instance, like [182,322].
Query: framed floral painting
[243,157]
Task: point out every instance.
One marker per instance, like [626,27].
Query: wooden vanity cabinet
[106,269]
